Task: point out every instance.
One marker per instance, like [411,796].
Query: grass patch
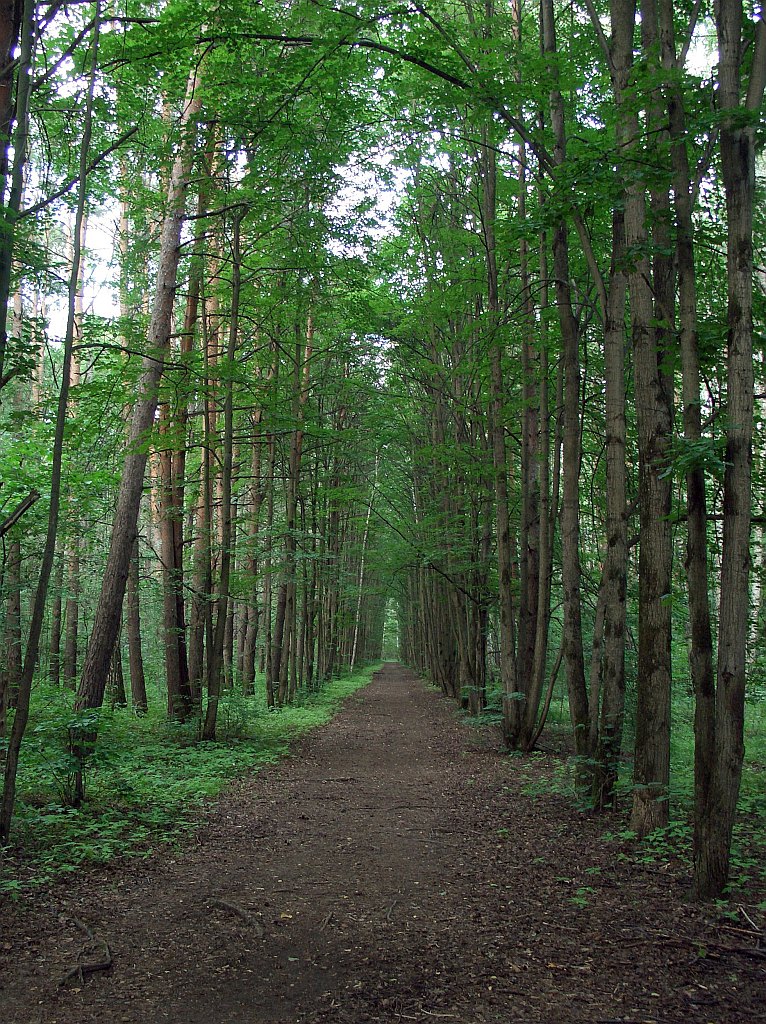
[147,778]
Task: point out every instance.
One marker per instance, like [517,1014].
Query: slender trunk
[546,522]
[288,645]
[362,558]
[178,695]
[21,717]
[651,773]
[231,615]
[116,682]
[74,543]
[17,25]
[11,670]
[231,611]
[548,698]
[529,532]
[39,317]
[300,652]
[738,167]
[215,658]
[107,617]
[512,709]
[200,585]
[606,741]
[132,601]
[313,584]
[54,664]
[243,620]
[570,506]
[266,631]
[250,631]
[133,629]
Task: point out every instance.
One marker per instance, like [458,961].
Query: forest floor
[396,868]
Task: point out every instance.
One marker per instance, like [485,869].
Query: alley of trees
[416,330]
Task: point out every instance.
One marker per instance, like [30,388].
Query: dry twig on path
[240,912]
[102,959]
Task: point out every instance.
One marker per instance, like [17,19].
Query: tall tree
[23,700]
[570,506]
[106,621]
[718,798]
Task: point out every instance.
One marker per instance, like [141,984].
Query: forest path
[397,868]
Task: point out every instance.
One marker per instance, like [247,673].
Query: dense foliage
[426,330]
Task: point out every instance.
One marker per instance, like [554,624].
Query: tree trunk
[651,773]
[737,142]
[107,617]
[607,742]
[21,717]
[116,682]
[529,529]
[362,559]
[74,543]
[133,629]
[17,28]
[512,709]
[215,657]
[54,664]
[11,670]
[252,562]
[268,588]
[174,641]
[570,507]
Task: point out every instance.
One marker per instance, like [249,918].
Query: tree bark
[547,519]
[651,773]
[512,709]
[171,526]
[570,506]
[11,670]
[74,542]
[17,26]
[737,142]
[106,622]
[21,717]
[252,562]
[133,629]
[54,664]
[215,656]
[607,743]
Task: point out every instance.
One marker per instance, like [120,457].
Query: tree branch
[23,506]
[599,30]
[30,210]
[693,18]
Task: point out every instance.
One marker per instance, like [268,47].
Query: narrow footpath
[398,867]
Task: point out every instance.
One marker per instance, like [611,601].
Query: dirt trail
[395,869]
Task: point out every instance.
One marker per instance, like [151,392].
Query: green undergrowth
[674,841]
[544,775]
[147,779]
